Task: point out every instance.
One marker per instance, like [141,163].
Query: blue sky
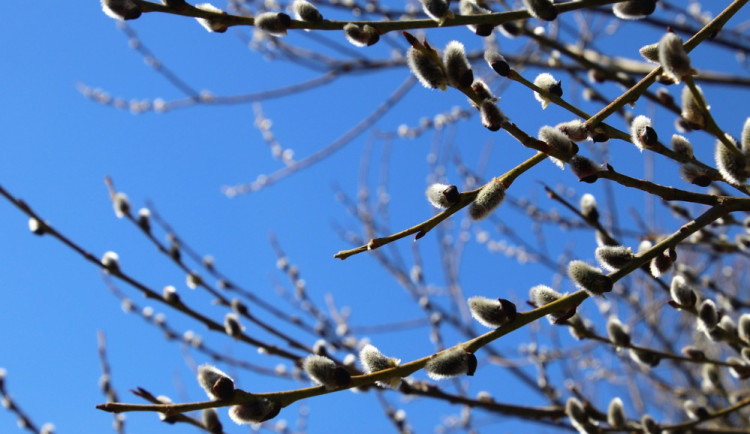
[59,146]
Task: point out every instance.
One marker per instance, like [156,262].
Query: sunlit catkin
[426,69]
[451,363]
[589,278]
[673,58]
[491,313]
[488,198]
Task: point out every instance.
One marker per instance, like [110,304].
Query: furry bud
[111,263]
[588,207]
[645,358]
[442,196]
[661,263]
[492,313]
[144,220]
[121,205]
[743,327]
[212,25]
[616,414]
[561,147]
[733,167]
[274,23]
[691,111]
[613,257]
[470,7]
[324,371]
[617,332]
[497,62]
[585,169]
[695,411]
[682,294]
[547,83]
[438,10]
[306,11]
[121,9]
[642,134]
[745,137]
[488,198]
[211,421]
[361,36]
[492,116]
[708,317]
[215,383]
[682,146]
[673,58]
[232,325]
[451,363]
[457,66]
[36,227]
[541,295]
[577,415]
[482,91]
[256,411]
[373,360]
[575,130]
[694,174]
[541,9]
[650,52]
[634,9]
[426,69]
[649,425]
[589,278]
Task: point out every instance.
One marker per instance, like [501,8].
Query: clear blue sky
[59,146]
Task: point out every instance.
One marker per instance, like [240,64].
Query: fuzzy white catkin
[488,198]
[673,58]
[423,66]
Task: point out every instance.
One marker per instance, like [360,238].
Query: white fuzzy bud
[613,257]
[588,206]
[547,83]
[457,66]
[616,414]
[361,36]
[708,317]
[306,11]
[325,372]
[642,134]
[273,23]
[488,198]
[691,111]
[491,115]
[215,382]
[121,205]
[111,262]
[634,9]
[541,9]
[232,325]
[491,313]
[373,360]
[589,278]
[682,294]
[617,332]
[426,69]
[442,196]
[673,58]
[743,327]
[451,363]
[121,9]
[438,10]
[211,25]
[681,145]
[256,411]
[562,148]
[497,62]
[733,167]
